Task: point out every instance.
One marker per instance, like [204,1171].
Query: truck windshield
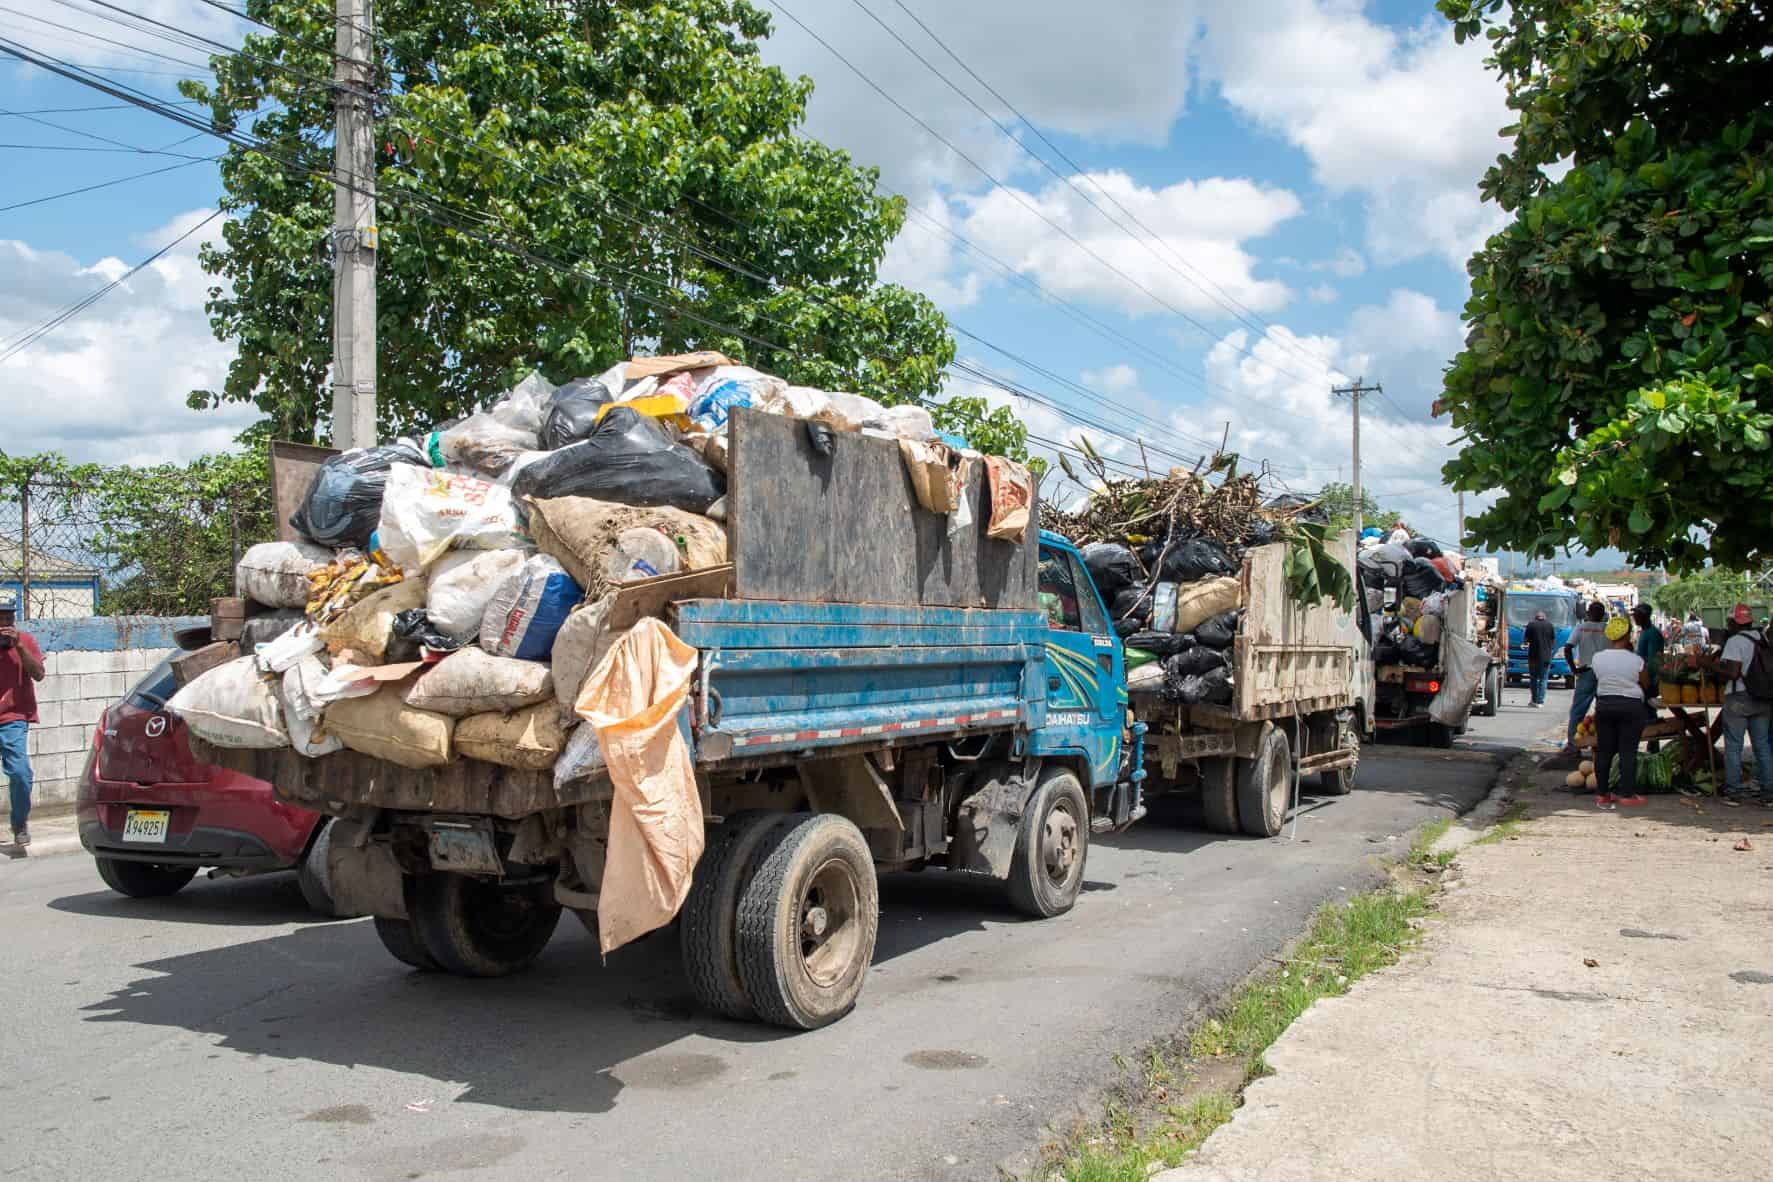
[1560,610]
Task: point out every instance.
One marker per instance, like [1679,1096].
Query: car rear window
[155,687]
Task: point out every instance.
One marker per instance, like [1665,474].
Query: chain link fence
[155,541]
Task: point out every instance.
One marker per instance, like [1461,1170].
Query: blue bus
[1561,609]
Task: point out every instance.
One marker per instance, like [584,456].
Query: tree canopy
[1618,368]
[559,184]
[1338,502]
[1713,587]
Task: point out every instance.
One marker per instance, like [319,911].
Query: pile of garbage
[1407,582]
[1166,554]
[451,594]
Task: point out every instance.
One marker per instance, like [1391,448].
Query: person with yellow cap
[1620,677]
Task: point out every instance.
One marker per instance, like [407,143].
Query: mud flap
[364,877]
[985,825]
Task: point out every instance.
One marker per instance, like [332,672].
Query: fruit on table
[1587,767]
[1576,779]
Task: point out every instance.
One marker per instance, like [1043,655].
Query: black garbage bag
[1261,532]
[1162,644]
[1219,631]
[1420,579]
[344,504]
[1131,603]
[1112,566]
[1422,548]
[1411,651]
[1190,557]
[1193,662]
[1213,687]
[414,626]
[571,413]
[628,459]
[1385,651]
[1125,629]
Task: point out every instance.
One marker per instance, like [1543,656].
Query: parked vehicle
[1561,608]
[1405,691]
[153,816]
[1303,699]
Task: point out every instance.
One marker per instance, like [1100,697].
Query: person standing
[21,668]
[1695,633]
[1650,645]
[1588,639]
[1743,712]
[1541,639]
[1619,675]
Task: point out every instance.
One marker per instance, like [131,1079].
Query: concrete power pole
[1460,540]
[1354,393]
[354,228]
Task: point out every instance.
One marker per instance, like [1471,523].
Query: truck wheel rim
[830,931]
[1058,844]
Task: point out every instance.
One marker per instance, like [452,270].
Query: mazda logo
[156,726]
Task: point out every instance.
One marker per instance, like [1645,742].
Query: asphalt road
[223,1032]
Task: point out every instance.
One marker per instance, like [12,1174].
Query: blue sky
[1310,164]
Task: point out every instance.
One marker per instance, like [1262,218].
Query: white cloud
[924,259]
[87,35]
[1124,80]
[110,384]
[1322,293]
[1406,118]
[1114,379]
[1410,339]
[1206,222]
[1344,264]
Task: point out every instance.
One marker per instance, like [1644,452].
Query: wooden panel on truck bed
[1288,654]
[847,528]
[293,466]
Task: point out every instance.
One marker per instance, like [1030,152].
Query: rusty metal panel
[292,474]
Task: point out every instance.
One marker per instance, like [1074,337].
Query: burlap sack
[368,624]
[580,533]
[531,739]
[383,726]
[473,681]
[1198,602]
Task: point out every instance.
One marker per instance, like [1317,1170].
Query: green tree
[643,141]
[1713,587]
[1338,501]
[1616,378]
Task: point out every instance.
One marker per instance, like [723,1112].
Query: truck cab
[1560,608]
[1086,684]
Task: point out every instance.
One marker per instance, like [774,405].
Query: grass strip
[1344,943]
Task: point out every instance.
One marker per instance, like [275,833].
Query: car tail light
[1422,685]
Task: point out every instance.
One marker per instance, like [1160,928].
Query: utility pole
[1460,540]
[354,228]
[1354,393]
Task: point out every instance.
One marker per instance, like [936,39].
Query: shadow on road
[566,1036]
[229,902]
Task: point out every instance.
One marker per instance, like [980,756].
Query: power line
[122,180]
[1015,194]
[25,340]
[1217,294]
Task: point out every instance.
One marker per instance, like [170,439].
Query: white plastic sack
[276,573]
[641,553]
[302,709]
[341,682]
[462,583]
[232,705]
[425,512]
[1463,665]
[277,656]
[907,422]
[527,610]
[800,402]
[578,648]
[851,412]
[470,681]
[581,760]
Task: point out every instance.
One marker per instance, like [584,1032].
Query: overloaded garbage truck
[877,661]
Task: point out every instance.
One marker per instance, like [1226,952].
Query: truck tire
[312,875]
[1052,843]
[475,928]
[708,934]
[144,880]
[403,945]
[807,921]
[1339,782]
[1440,736]
[1218,794]
[1265,785]
[1492,693]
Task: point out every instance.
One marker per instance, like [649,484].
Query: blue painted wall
[109,633]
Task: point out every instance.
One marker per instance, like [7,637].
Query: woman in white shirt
[1619,715]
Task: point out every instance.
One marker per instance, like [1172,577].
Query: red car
[153,816]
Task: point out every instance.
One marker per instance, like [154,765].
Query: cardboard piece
[658,367]
[648,597]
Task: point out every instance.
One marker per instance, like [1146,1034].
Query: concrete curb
[44,845]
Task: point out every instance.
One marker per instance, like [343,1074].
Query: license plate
[147,825]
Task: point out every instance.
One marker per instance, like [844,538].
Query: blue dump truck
[877,688]
[1561,608]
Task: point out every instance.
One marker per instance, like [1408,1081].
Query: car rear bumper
[228,849]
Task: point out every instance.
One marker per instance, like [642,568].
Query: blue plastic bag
[526,612]
[713,405]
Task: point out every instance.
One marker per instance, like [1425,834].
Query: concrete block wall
[89,664]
